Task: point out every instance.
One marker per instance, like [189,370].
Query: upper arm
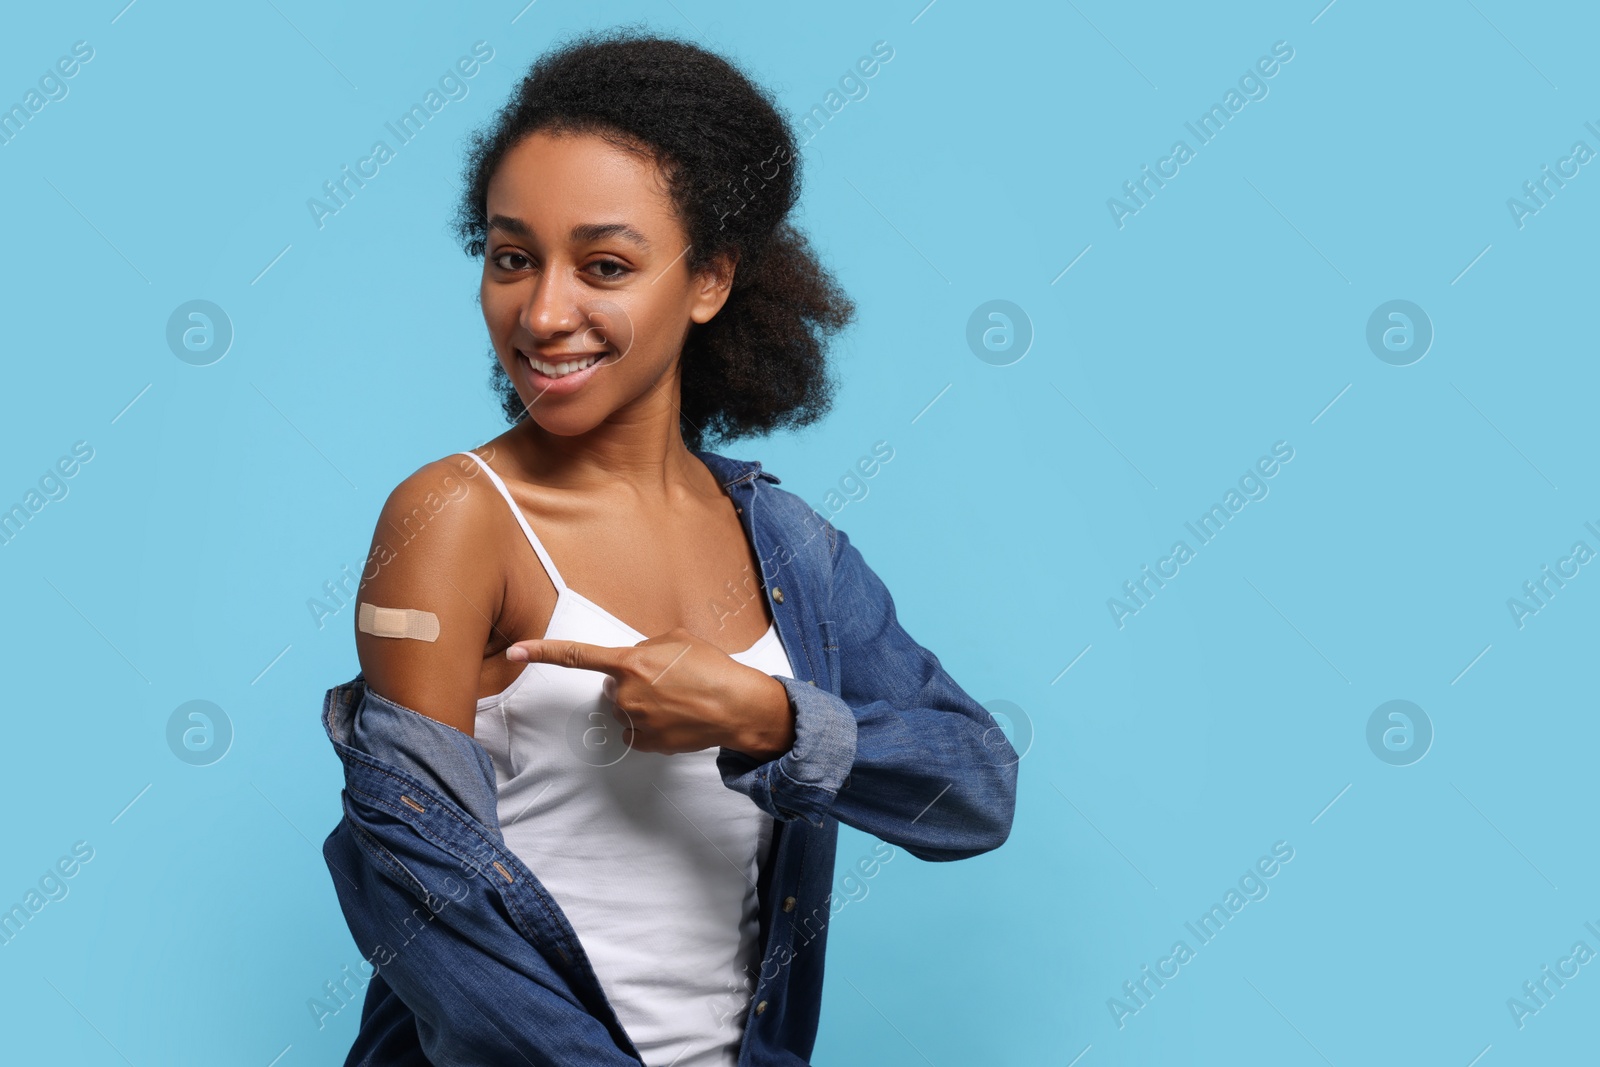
[430,553]
[874,649]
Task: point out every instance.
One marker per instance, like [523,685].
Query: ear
[710,288]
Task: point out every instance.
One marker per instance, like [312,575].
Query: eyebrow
[582,233]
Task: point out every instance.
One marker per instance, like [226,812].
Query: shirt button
[810,682]
[777,594]
[788,903]
[761,1007]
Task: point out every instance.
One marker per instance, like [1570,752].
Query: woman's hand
[680,693]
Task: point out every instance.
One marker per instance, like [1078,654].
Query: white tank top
[651,857]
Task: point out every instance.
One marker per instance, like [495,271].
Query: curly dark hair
[733,171]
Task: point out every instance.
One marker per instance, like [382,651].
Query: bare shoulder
[434,552]
[448,496]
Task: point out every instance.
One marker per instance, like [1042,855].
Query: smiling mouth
[561,368]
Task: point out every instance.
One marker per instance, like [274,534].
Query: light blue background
[1223,317]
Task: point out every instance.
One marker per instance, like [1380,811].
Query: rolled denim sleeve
[803,782]
[902,751]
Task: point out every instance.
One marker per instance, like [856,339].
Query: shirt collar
[730,472]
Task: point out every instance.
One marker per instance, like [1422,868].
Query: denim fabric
[476,963]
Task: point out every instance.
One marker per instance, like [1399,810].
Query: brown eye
[608,268]
[503,261]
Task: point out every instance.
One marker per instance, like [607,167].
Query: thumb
[576,654]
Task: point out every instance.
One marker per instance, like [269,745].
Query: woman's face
[586,291]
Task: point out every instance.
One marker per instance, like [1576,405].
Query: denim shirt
[475,962]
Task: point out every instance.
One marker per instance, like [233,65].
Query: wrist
[765,726]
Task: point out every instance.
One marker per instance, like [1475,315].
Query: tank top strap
[533,539]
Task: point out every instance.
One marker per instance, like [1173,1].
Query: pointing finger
[575,654]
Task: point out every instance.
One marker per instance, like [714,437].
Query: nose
[552,306]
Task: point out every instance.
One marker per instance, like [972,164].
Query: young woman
[665,727]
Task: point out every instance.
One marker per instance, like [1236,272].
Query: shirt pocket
[388,861]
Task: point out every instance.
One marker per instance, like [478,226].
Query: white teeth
[560,370]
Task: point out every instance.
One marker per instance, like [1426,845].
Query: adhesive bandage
[397,622]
